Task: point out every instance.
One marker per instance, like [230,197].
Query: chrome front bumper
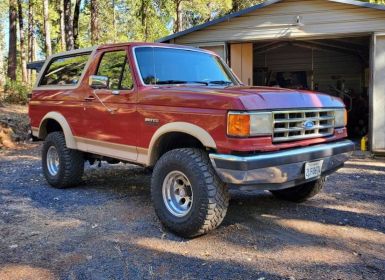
[282,169]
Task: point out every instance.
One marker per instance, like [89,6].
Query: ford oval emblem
[308,124]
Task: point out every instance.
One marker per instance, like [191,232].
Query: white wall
[378,95]
[277,21]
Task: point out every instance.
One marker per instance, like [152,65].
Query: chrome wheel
[53,161]
[177,193]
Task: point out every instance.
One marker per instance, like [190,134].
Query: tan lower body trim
[35,131]
[118,151]
[143,155]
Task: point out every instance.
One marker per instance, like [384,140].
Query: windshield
[159,66]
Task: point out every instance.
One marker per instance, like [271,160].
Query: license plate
[313,169]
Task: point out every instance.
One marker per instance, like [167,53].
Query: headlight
[243,124]
[341,118]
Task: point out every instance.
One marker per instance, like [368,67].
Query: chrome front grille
[303,124]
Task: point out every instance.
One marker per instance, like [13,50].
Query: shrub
[15,92]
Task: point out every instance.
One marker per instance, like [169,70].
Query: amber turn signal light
[346,117]
[238,125]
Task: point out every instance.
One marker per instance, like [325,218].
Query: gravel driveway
[107,229]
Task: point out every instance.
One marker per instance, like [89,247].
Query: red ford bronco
[182,112]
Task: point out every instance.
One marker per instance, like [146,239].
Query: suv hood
[254,98]
[247,98]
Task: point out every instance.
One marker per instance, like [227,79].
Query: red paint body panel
[206,107]
[119,127]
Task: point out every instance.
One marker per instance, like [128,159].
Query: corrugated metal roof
[257,7]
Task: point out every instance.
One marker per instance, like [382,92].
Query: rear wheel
[302,192]
[62,167]
[188,196]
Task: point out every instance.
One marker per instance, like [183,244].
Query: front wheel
[187,194]
[62,167]
[302,192]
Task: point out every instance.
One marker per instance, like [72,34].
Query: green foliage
[15,92]
[200,11]
[381,2]
[243,4]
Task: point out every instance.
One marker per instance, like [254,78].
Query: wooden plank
[236,59]
[247,63]
[241,61]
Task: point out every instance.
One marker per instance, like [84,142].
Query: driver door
[111,121]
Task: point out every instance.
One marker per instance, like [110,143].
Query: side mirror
[98,82]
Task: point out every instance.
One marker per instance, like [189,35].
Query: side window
[114,65]
[64,71]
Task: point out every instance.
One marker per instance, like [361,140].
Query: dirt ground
[106,228]
[14,123]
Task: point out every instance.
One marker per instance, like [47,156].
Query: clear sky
[5,25]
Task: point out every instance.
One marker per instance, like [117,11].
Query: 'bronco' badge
[150,121]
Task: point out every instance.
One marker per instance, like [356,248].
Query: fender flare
[70,140]
[184,127]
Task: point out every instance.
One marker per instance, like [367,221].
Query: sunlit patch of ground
[25,272]
[351,234]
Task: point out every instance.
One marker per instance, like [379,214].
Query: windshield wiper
[169,82]
[227,83]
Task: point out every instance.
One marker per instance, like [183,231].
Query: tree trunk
[94,22]
[76,23]
[11,73]
[2,46]
[143,16]
[68,25]
[23,58]
[62,29]
[179,16]
[114,20]
[33,58]
[31,39]
[47,29]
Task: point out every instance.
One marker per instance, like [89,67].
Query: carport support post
[377,93]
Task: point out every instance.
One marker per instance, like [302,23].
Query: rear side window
[65,71]
[114,65]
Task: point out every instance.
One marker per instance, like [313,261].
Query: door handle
[89,98]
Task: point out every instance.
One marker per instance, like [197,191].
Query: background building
[335,46]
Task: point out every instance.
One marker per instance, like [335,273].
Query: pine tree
[94,22]
[62,25]
[75,23]
[12,59]
[47,28]
[68,25]
[23,58]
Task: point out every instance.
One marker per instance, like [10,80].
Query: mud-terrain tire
[302,192]
[190,171]
[62,167]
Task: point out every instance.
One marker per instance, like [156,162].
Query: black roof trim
[35,65]
[257,7]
